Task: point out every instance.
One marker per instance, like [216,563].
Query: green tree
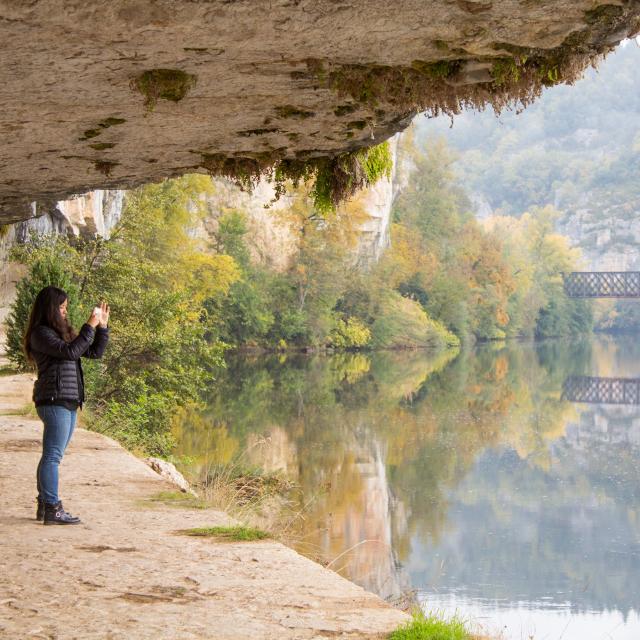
[156,277]
[50,264]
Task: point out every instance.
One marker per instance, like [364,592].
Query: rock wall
[93,213]
[115,94]
[377,202]
[608,237]
[271,241]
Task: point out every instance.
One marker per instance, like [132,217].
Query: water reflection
[469,479]
[599,390]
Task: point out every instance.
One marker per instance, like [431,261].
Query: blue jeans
[59,424]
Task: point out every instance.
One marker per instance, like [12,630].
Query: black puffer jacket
[59,369]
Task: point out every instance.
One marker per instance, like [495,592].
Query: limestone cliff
[93,213]
[115,94]
[272,242]
[609,238]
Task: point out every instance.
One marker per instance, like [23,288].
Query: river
[468,480]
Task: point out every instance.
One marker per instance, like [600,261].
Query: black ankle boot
[40,509]
[55,514]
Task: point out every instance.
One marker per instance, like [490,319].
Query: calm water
[467,479]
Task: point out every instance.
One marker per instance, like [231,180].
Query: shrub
[402,322]
[348,334]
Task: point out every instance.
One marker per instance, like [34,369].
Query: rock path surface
[126,574]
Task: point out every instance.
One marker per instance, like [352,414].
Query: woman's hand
[101,318]
[94,319]
[104,308]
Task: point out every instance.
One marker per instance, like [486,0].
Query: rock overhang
[113,95]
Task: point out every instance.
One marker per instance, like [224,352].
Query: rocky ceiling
[115,94]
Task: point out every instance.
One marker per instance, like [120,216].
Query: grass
[28,410]
[238,533]
[179,499]
[432,627]
[259,501]
[8,370]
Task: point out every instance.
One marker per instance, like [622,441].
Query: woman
[52,344]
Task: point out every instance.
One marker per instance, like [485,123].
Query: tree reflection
[426,457]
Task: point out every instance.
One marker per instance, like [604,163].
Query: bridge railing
[602,284]
[598,390]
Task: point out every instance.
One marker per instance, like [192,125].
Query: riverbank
[127,573]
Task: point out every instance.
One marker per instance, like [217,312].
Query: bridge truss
[602,284]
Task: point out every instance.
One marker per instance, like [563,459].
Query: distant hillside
[577,148]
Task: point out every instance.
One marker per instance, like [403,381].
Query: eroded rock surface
[111,95]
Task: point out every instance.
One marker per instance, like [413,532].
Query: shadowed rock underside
[112,95]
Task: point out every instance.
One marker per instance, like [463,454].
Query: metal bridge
[596,390]
[602,284]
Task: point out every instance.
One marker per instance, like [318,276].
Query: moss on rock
[163,84]
[332,178]
[289,111]
[105,166]
[102,146]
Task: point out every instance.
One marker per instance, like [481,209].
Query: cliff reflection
[443,473]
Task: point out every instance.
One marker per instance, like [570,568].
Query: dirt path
[125,574]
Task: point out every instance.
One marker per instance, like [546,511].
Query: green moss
[230,534]
[244,170]
[101,146]
[344,109]
[289,111]
[316,68]
[549,73]
[516,50]
[90,133]
[178,499]
[4,230]
[333,179]
[376,162]
[336,179]
[105,166]
[98,129]
[163,84]
[401,86]
[603,14]
[505,71]
[299,75]
[358,81]
[517,80]
[439,69]
[247,133]
[111,122]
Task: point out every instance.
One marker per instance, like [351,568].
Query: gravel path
[126,574]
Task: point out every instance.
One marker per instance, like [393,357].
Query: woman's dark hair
[46,311]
